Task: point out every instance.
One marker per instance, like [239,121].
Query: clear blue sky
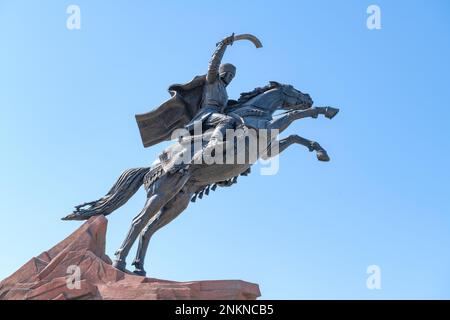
[67,130]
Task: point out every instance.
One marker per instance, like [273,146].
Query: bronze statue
[198,163]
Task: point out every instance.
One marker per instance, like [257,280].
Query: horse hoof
[323,156]
[140,272]
[120,265]
[331,112]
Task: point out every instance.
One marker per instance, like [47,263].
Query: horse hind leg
[161,192]
[167,213]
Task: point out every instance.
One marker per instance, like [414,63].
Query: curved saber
[250,37]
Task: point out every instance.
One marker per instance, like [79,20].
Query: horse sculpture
[171,185]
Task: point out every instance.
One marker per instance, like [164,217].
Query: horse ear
[274,84]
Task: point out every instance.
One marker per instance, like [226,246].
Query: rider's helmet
[227,71]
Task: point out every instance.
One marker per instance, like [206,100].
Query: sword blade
[250,37]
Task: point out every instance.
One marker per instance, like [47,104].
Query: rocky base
[50,275]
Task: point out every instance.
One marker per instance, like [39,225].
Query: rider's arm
[216,59]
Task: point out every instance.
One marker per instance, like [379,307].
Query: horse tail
[125,187]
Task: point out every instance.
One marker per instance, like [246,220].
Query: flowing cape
[157,125]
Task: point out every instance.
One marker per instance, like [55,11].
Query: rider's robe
[185,102]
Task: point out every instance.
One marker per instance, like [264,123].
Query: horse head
[275,96]
[293,99]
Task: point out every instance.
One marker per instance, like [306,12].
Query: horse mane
[246,96]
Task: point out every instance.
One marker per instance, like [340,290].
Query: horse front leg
[283,144]
[286,120]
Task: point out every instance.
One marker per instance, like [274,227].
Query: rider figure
[215,97]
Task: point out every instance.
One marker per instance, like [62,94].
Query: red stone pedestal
[46,276]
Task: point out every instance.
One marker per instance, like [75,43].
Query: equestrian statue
[216,140]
